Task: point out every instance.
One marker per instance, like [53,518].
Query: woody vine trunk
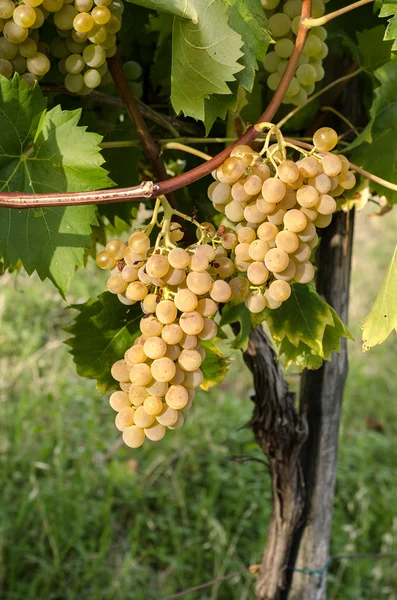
[302,445]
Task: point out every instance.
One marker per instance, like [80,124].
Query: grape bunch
[84,37]
[277,204]
[284,18]
[273,206]
[180,291]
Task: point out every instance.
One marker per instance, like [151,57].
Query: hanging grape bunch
[84,37]
[284,18]
[274,206]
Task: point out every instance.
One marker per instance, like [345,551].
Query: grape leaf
[302,318]
[390,10]
[185,9]
[214,366]
[380,156]
[45,152]
[204,58]
[382,319]
[301,355]
[248,19]
[237,313]
[102,331]
[373,51]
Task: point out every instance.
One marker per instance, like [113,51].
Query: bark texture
[321,404]
[302,447]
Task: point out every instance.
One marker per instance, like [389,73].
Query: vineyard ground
[84,517]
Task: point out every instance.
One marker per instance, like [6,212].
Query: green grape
[116,7]
[52,5]
[312,46]
[58,48]
[30,79]
[306,74]
[320,32]
[323,53]
[309,89]
[92,78]
[300,98]
[281,67]
[113,25]
[6,9]
[74,64]
[270,4]
[63,33]
[273,81]
[28,48]
[109,42]
[295,25]
[284,48]
[8,50]
[292,8]
[83,5]
[39,19]
[303,60]
[75,47]
[98,35]
[103,2]
[74,82]
[94,56]
[32,3]
[83,22]
[293,87]
[101,15]
[1,24]
[271,62]
[132,70]
[136,88]
[79,37]
[320,73]
[102,70]
[15,33]
[6,68]
[318,8]
[62,67]
[280,24]
[43,48]
[38,64]
[63,19]
[19,64]
[24,16]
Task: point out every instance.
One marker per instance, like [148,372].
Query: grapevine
[272,206]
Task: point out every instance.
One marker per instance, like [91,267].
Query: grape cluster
[277,205]
[180,291]
[284,21]
[85,38]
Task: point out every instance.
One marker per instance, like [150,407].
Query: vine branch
[310,22]
[150,147]
[22,200]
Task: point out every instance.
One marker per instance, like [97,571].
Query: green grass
[84,517]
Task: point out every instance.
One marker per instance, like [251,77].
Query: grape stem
[310,22]
[23,200]
[342,117]
[293,112]
[185,148]
[150,147]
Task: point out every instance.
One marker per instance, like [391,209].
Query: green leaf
[214,366]
[204,58]
[373,51]
[185,9]
[302,318]
[45,152]
[382,319]
[102,331]
[248,19]
[304,356]
[217,106]
[237,313]
[380,156]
